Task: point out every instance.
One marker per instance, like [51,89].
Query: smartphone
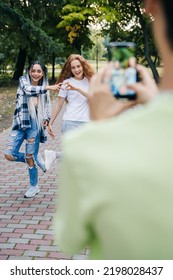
[124,73]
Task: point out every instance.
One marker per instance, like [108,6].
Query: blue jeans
[32,137]
[69,125]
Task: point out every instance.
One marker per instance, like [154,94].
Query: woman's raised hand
[54,88]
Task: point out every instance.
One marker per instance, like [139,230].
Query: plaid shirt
[21,118]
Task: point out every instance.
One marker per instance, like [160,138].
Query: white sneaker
[50,157]
[32,192]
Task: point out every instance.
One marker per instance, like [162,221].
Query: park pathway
[26,231]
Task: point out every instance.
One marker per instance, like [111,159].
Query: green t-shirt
[117,193]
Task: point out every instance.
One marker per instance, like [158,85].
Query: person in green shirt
[117,193]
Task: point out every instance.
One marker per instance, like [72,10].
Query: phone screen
[124,73]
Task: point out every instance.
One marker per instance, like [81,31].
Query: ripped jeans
[31,155]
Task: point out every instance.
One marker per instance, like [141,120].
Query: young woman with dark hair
[31,116]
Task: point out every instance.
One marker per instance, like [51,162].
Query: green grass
[7,105]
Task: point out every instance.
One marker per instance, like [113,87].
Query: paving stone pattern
[26,231]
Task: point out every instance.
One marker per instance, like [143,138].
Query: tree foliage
[51,30]
[23,20]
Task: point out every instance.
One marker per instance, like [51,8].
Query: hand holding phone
[124,73]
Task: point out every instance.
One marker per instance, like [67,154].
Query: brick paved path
[26,231]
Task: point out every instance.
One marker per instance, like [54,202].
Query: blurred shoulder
[97,133]
[94,131]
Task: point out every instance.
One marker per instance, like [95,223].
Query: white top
[77,107]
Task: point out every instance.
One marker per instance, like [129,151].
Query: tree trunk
[77,45]
[146,45]
[148,57]
[53,67]
[20,64]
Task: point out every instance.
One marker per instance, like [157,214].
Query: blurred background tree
[52,30]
